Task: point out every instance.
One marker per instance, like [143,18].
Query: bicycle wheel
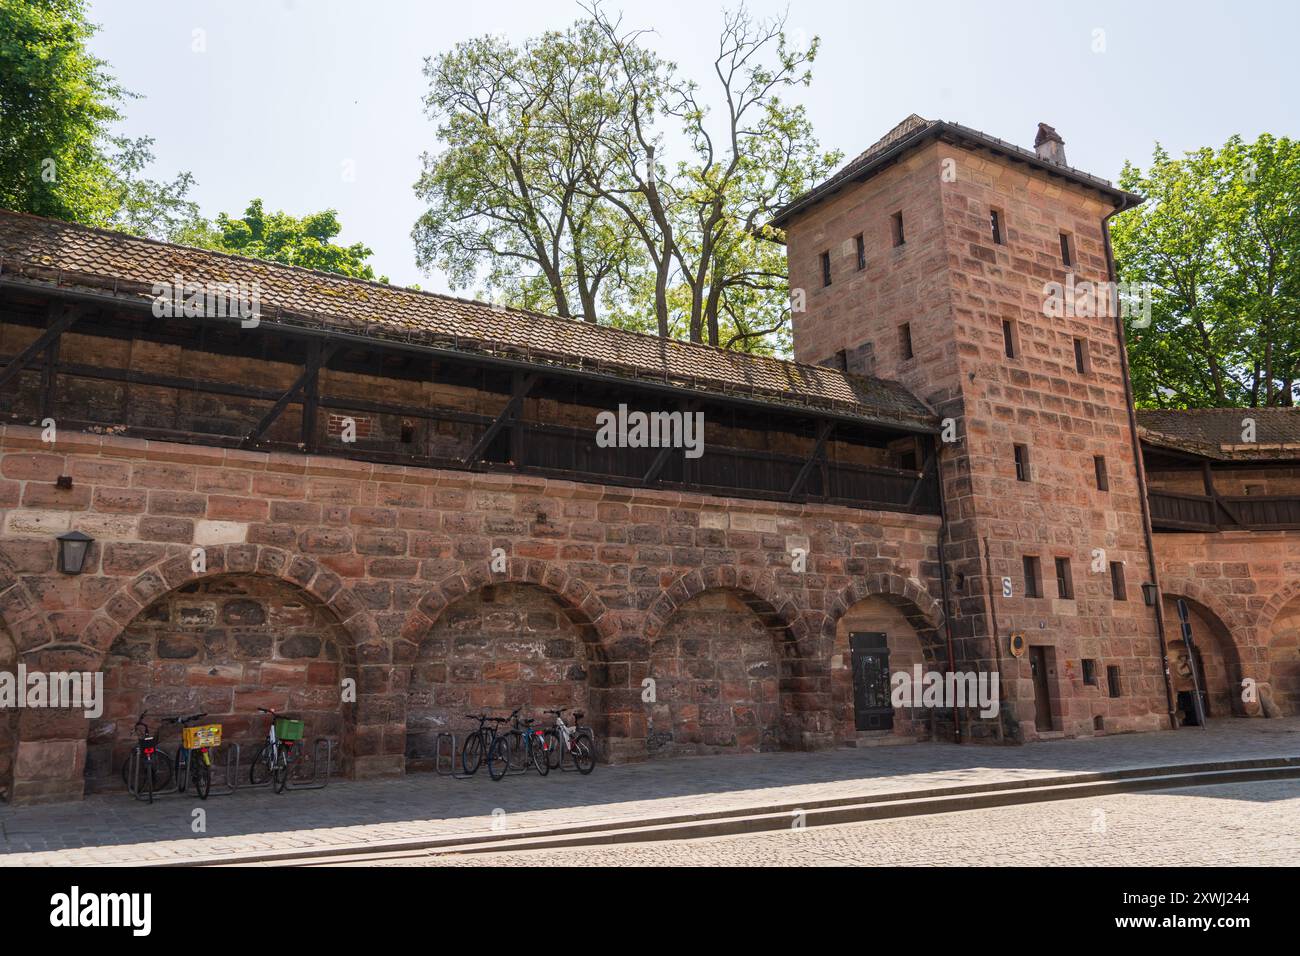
[471,755]
[537,751]
[162,774]
[584,754]
[280,772]
[499,758]
[181,770]
[554,750]
[518,750]
[201,774]
[259,771]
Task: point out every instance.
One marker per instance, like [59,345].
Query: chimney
[1049,145]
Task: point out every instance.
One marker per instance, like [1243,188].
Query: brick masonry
[385,571]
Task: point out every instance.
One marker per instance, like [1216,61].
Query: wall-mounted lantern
[73,548]
[1149,595]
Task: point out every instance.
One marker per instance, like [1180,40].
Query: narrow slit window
[1090,672]
[1033,577]
[1099,466]
[1081,356]
[905,340]
[995,226]
[1112,681]
[861,243]
[1009,338]
[896,222]
[1064,582]
[1022,462]
[1067,251]
[1118,589]
[826,268]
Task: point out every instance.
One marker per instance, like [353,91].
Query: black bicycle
[480,746]
[523,744]
[153,766]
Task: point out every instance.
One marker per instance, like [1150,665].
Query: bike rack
[174,790]
[452,753]
[315,783]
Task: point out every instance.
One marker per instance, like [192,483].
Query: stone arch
[1223,655]
[742,674]
[20,610]
[923,611]
[563,663]
[1273,607]
[1278,637]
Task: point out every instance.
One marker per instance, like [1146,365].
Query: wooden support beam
[929,464]
[311,396]
[823,435]
[523,384]
[307,377]
[58,324]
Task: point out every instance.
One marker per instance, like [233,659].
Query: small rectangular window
[1118,589]
[1009,338]
[1112,680]
[1099,466]
[1090,672]
[905,340]
[1033,577]
[897,225]
[1067,255]
[995,225]
[1064,582]
[1081,356]
[826,268]
[1022,462]
[862,251]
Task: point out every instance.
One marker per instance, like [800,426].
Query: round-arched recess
[1218,663]
[226,645]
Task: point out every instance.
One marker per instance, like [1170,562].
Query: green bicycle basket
[286,729]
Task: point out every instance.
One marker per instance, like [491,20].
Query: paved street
[112,828]
[1233,825]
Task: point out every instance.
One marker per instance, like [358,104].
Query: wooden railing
[1171,511]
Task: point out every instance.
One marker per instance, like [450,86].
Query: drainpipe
[1140,467]
[943,584]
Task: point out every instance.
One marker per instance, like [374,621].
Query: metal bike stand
[174,789]
[451,757]
[316,783]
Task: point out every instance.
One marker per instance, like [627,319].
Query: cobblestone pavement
[108,828]
[1256,824]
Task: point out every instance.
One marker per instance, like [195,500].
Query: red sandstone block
[41,495]
[222,481]
[120,500]
[177,503]
[271,485]
[228,508]
[333,491]
[32,467]
[175,530]
[373,517]
[165,476]
[97,471]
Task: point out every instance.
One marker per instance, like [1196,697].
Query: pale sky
[288,91]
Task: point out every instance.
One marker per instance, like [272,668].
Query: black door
[871,707]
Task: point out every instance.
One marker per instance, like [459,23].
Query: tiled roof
[77,257]
[916,130]
[1219,432]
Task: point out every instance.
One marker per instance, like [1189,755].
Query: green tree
[1218,242]
[305,241]
[58,104]
[581,174]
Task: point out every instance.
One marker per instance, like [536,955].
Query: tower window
[1022,462]
[896,223]
[1009,338]
[1099,466]
[1112,681]
[1033,577]
[826,268]
[1118,590]
[1090,672]
[1081,356]
[861,242]
[995,225]
[1064,582]
[905,340]
[1067,252]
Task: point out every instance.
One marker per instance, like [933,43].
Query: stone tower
[940,258]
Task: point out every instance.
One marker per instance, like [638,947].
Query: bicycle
[524,744]
[153,766]
[575,742]
[193,757]
[480,744]
[274,760]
